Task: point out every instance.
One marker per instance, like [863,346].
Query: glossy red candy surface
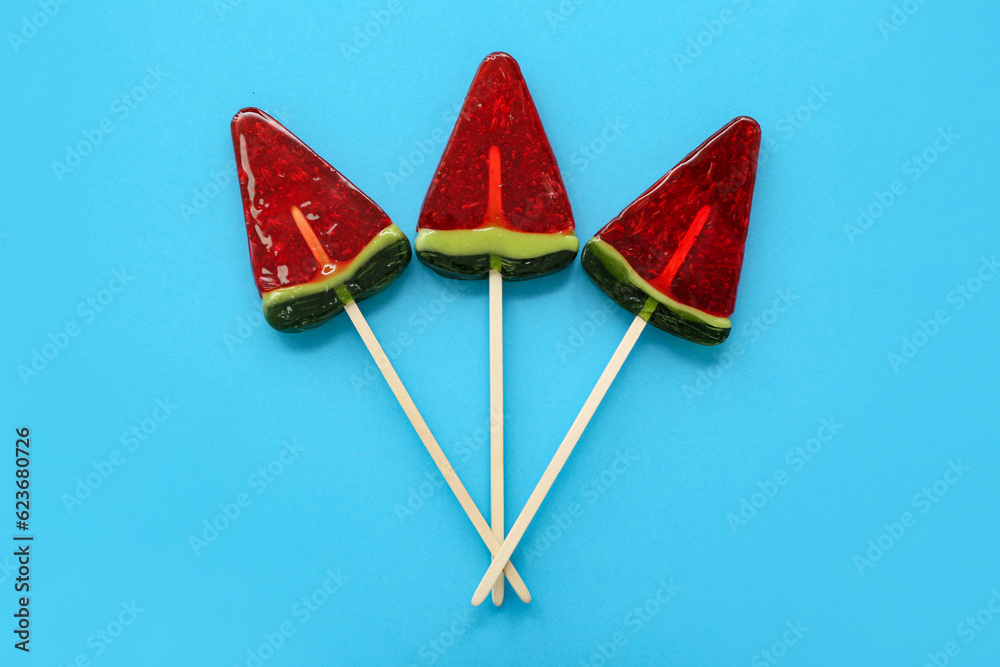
[303,217]
[685,235]
[498,146]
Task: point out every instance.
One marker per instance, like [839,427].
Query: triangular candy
[675,253]
[316,241]
[497,199]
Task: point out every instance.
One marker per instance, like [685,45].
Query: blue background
[846,104]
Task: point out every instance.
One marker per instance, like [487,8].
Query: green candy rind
[300,307]
[612,273]
[469,254]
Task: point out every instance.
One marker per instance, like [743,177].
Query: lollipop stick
[433,448]
[496,417]
[559,460]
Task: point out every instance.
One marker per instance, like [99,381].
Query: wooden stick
[559,460]
[433,448]
[496,418]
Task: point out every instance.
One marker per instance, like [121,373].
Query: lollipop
[497,201]
[316,241]
[689,267]
[497,207]
[672,257]
[318,245]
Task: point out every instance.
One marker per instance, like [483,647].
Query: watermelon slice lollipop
[316,241]
[672,257]
[497,207]
[681,242]
[497,199]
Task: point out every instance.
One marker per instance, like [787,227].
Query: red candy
[303,217]
[685,234]
[498,139]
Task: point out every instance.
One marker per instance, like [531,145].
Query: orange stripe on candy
[494,201]
[311,240]
[690,236]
